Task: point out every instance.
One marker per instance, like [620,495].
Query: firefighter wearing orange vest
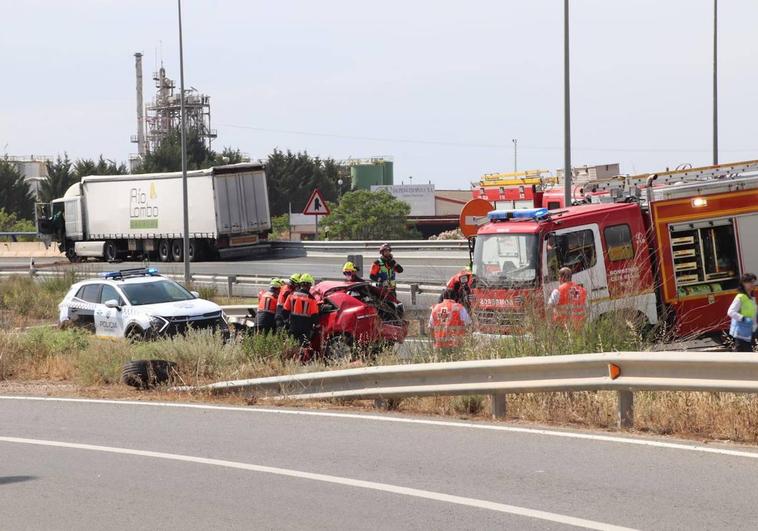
[301,311]
[265,317]
[568,302]
[290,285]
[448,322]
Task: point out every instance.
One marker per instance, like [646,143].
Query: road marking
[336,480]
[402,420]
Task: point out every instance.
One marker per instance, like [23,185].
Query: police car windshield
[504,260]
[155,292]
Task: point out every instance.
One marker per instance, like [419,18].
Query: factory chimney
[140,106]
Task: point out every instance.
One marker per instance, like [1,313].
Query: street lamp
[566,108]
[185,201]
[715,86]
[515,154]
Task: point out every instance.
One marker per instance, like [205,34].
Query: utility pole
[515,154]
[566,108]
[185,200]
[715,85]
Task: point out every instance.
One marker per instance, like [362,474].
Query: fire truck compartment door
[747,231]
[579,248]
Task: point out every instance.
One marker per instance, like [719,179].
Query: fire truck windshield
[506,260]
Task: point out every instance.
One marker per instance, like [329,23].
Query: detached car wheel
[144,374]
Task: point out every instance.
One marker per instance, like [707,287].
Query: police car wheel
[144,374]
[135,333]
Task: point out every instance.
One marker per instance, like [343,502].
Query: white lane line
[336,480]
[427,422]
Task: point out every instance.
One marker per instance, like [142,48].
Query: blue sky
[440,86]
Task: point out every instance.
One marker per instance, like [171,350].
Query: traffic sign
[316,206]
[473,213]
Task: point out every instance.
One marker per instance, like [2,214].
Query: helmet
[277,282]
[295,278]
[349,267]
[385,247]
[306,278]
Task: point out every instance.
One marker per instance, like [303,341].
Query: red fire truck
[668,246]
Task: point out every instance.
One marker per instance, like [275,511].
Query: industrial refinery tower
[163,116]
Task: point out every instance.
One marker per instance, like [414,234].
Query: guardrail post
[231,279]
[498,406]
[414,292]
[625,404]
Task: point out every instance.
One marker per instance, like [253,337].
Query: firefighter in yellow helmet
[350,272]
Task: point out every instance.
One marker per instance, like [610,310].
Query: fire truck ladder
[686,175]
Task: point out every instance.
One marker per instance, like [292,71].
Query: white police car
[137,303]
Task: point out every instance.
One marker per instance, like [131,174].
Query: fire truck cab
[518,253]
[668,246]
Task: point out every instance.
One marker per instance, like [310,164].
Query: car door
[580,249]
[81,311]
[109,321]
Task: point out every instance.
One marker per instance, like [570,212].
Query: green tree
[84,167]
[60,176]
[292,177]
[230,155]
[364,215]
[168,156]
[9,222]
[15,196]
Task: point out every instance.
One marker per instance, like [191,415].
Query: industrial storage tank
[370,173]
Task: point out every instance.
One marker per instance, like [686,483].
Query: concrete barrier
[28,250]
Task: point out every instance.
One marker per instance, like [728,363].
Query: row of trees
[291,177]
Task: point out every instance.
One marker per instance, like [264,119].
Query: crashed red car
[356,315]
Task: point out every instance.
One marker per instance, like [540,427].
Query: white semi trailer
[117,216]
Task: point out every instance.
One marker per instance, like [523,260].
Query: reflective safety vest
[743,329]
[284,294]
[267,302]
[383,274]
[448,327]
[572,304]
[301,304]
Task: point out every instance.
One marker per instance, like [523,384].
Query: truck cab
[518,253]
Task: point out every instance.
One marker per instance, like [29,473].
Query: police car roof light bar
[523,214]
[132,272]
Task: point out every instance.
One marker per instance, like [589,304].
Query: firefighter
[284,293]
[568,302]
[742,311]
[385,268]
[448,322]
[350,272]
[301,311]
[265,317]
[460,284]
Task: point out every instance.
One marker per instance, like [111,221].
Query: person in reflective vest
[568,302]
[289,287]
[265,317]
[385,268]
[301,311]
[448,322]
[742,312]
[460,284]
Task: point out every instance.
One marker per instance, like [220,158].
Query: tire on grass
[144,374]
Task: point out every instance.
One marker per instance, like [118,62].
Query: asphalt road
[416,269]
[83,465]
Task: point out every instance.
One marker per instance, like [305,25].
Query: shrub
[468,404]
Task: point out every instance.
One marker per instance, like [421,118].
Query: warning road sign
[316,206]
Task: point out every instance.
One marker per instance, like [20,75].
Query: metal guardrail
[372,246]
[624,372]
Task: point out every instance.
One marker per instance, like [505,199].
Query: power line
[477,144]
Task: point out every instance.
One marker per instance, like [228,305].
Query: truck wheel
[110,253]
[144,374]
[164,251]
[177,250]
[72,256]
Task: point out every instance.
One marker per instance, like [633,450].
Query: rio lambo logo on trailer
[143,213]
